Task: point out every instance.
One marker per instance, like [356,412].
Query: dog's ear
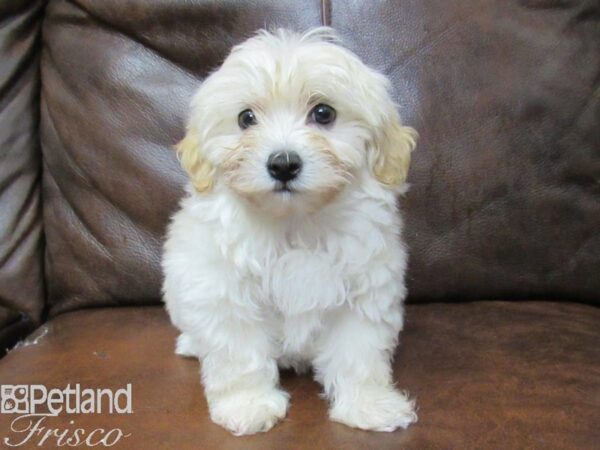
[194,163]
[391,143]
[390,152]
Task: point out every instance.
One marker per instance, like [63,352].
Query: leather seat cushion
[485,375]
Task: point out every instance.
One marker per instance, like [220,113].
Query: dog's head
[288,121]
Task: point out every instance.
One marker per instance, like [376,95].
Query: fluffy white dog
[286,249]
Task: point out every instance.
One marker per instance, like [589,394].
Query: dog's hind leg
[187,346]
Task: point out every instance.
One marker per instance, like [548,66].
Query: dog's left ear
[390,155]
[391,143]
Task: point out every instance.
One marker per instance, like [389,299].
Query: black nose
[284,166]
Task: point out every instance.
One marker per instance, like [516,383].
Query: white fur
[256,278]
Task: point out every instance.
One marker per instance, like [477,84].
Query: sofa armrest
[21,251]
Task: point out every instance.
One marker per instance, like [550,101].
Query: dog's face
[289,121]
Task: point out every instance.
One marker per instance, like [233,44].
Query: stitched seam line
[326,12]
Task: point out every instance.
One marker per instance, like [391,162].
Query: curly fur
[256,278]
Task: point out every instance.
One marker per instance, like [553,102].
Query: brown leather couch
[502,342]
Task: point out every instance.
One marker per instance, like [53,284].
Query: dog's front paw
[249,411]
[374,408]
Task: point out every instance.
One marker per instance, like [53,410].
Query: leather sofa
[502,341]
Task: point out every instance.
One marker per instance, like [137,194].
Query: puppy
[286,249]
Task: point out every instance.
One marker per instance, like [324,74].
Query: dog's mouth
[284,188]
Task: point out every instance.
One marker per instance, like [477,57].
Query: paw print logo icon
[14,399]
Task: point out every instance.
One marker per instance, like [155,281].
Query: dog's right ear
[194,162]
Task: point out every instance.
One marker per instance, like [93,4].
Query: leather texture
[505,197]
[486,375]
[118,77]
[21,246]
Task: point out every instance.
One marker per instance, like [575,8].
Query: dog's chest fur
[295,275]
[302,273]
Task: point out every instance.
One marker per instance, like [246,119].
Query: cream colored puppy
[286,249]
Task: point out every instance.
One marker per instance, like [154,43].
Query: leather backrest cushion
[117,80]
[21,243]
[504,200]
[505,196]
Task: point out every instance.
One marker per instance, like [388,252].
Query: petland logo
[36,405]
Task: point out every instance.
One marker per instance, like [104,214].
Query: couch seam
[326,13]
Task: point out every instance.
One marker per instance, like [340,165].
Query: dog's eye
[246,118]
[323,114]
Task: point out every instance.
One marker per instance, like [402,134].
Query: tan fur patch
[193,162]
[392,154]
